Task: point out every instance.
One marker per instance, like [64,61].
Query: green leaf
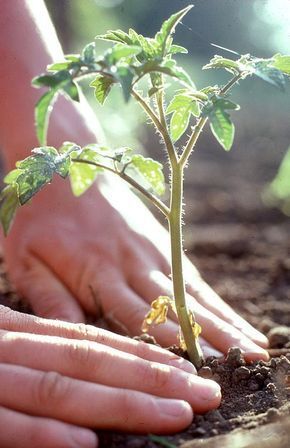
[264,70]
[8,206]
[118,52]
[182,106]
[83,175]
[52,80]
[71,89]
[282,63]
[168,28]
[171,68]
[125,77]
[221,62]
[115,36]
[149,46]
[222,127]
[102,85]
[88,53]
[150,171]
[174,49]
[42,111]
[162,441]
[58,66]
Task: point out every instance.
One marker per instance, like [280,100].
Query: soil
[242,249]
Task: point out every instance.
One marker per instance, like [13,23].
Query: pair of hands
[61,249]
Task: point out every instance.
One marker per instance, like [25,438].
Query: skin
[61,249]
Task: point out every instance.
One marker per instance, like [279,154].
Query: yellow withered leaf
[158,312]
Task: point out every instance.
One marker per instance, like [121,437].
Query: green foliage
[182,106]
[162,441]
[102,85]
[278,191]
[150,171]
[224,63]
[220,123]
[265,70]
[282,63]
[9,203]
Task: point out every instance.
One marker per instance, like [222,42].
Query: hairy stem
[151,197]
[175,228]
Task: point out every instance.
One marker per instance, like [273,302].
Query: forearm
[28,44]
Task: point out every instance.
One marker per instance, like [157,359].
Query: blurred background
[259,27]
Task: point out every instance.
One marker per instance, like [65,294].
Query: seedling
[132,58]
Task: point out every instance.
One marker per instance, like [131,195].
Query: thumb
[46,294]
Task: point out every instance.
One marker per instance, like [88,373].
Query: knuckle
[142,350]
[157,376]
[51,389]
[79,352]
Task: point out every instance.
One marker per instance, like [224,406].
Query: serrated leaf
[83,175]
[150,170]
[119,51]
[102,85]
[174,49]
[115,36]
[221,62]
[281,62]
[268,73]
[222,127]
[125,77]
[42,111]
[168,28]
[149,46]
[8,205]
[171,68]
[182,107]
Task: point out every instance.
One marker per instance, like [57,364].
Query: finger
[14,321]
[91,405]
[223,335]
[47,295]
[25,431]
[210,300]
[89,361]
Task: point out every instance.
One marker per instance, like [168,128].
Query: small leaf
[57,66]
[221,62]
[52,80]
[8,206]
[118,52]
[182,107]
[282,63]
[102,85]
[174,49]
[42,111]
[268,73]
[168,28]
[71,89]
[125,77]
[150,170]
[222,127]
[115,36]
[83,175]
[88,53]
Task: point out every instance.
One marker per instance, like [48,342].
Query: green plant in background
[278,191]
[131,58]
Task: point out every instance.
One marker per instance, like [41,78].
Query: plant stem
[175,229]
[151,197]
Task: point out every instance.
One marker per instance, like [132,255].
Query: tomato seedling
[131,58]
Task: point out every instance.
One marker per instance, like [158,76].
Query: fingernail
[173,408]
[206,390]
[183,364]
[84,438]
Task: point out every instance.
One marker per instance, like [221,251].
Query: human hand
[58,378]
[63,248]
